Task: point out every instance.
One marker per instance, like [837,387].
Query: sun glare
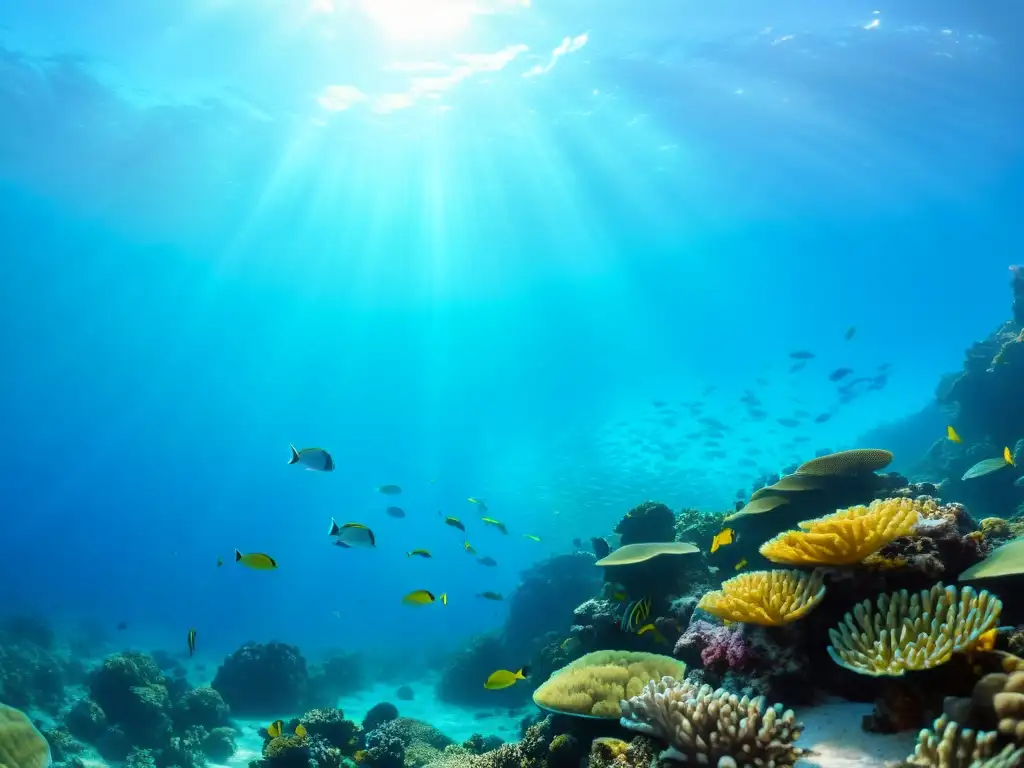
[419,20]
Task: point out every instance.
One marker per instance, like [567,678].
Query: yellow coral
[912,632]
[995,527]
[21,745]
[593,685]
[765,597]
[849,535]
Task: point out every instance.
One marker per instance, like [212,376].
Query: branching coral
[765,597]
[847,536]
[713,727]
[948,745]
[593,685]
[912,632]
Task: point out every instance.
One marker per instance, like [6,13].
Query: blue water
[464,251]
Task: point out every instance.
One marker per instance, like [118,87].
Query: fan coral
[912,632]
[263,679]
[847,536]
[593,685]
[21,745]
[765,597]
[713,727]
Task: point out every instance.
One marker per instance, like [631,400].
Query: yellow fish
[741,564]
[723,537]
[469,548]
[658,637]
[419,553]
[952,435]
[619,596]
[256,560]
[503,678]
[422,597]
[986,640]
[444,598]
[300,731]
[496,523]
[531,537]
[275,729]
[1008,456]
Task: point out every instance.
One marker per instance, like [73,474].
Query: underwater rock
[404,693]
[86,720]
[62,744]
[381,713]
[340,674]
[201,706]
[648,522]
[263,679]
[219,744]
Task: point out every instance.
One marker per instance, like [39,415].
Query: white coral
[712,727]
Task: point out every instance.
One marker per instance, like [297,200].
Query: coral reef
[32,672]
[766,597]
[650,521]
[379,714]
[707,726]
[21,745]
[341,673]
[263,680]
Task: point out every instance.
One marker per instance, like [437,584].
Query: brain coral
[765,597]
[21,745]
[593,685]
[912,632]
[847,536]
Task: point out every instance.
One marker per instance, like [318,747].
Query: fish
[619,596]
[394,512]
[316,459]
[1008,457]
[419,553]
[491,596]
[454,522]
[191,643]
[952,435]
[839,373]
[122,626]
[787,422]
[487,561]
[658,637]
[741,564]
[850,332]
[496,523]
[479,502]
[986,640]
[256,560]
[469,548]
[988,466]
[389,490]
[600,546]
[421,597]
[531,537]
[220,562]
[821,418]
[300,731]
[798,366]
[801,354]
[352,535]
[635,613]
[723,537]
[275,729]
[502,678]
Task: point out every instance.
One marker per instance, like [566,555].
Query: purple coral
[724,648]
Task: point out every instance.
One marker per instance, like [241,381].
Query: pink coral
[719,646]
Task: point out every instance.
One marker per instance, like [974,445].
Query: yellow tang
[741,564]
[723,537]
[952,435]
[1008,456]
[420,597]
[647,628]
[531,537]
[300,731]
[503,678]
[986,640]
[275,729]
[619,596]
[256,560]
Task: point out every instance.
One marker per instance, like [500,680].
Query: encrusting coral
[593,685]
[713,727]
[912,632]
[770,598]
[847,536]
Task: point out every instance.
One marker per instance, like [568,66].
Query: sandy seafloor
[832,730]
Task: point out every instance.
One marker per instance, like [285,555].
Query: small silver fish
[316,459]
